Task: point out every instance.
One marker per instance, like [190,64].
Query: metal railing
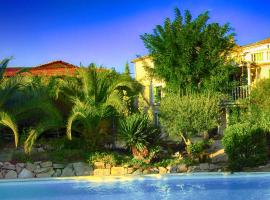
[241,92]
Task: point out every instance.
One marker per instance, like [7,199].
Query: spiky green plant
[138,134]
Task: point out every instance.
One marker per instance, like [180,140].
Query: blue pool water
[186,187]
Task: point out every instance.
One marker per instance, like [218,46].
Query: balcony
[241,92]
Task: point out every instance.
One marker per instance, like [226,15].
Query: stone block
[204,166]
[102,172]
[46,164]
[11,174]
[162,170]
[118,171]
[25,173]
[67,171]
[182,168]
[31,167]
[99,165]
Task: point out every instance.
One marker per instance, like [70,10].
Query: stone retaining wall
[48,169]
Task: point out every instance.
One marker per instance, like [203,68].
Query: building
[55,68]
[254,59]
[152,88]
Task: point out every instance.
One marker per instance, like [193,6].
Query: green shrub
[245,146]
[197,150]
[111,158]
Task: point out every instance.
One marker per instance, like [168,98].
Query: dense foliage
[87,105]
[189,115]
[192,53]
[245,146]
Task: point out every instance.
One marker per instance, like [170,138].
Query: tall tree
[192,53]
[127,69]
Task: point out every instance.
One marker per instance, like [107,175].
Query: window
[268,55]
[157,94]
[256,57]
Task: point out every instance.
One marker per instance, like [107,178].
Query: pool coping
[197,175]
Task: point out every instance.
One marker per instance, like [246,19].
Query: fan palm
[99,97]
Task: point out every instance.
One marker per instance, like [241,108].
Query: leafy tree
[192,53]
[127,69]
[96,100]
[189,115]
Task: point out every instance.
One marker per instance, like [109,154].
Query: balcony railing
[241,92]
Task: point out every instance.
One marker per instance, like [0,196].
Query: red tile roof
[49,69]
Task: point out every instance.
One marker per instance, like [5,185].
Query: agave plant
[138,134]
[96,100]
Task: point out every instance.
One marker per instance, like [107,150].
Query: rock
[9,166]
[137,172]
[193,168]
[31,167]
[46,164]
[46,174]
[18,168]
[42,170]
[182,168]
[67,171]
[154,170]
[1,175]
[57,173]
[102,172]
[58,166]
[82,169]
[213,167]
[108,166]
[22,165]
[162,170]
[11,174]
[99,165]
[204,166]
[37,163]
[25,173]
[1,164]
[146,171]
[172,169]
[118,171]
[130,170]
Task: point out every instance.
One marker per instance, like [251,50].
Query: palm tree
[7,88]
[98,98]
[36,109]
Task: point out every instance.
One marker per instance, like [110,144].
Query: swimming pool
[199,186]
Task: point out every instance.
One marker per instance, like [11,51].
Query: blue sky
[107,31]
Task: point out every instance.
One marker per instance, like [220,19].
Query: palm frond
[8,121]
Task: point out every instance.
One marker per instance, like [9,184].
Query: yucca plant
[139,134]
